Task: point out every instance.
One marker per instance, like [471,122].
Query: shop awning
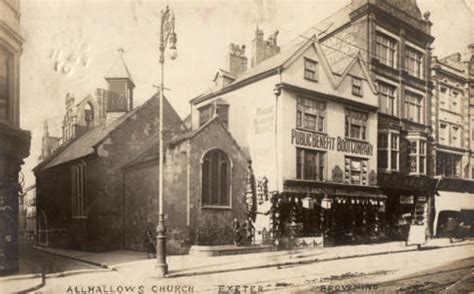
[457,201]
[452,201]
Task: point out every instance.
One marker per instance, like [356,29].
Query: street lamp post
[166,34]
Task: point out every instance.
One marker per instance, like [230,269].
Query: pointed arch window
[216,179]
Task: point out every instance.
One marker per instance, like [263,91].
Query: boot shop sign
[322,141]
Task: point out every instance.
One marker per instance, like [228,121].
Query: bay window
[388,151]
[387,98]
[310,164]
[310,114]
[417,156]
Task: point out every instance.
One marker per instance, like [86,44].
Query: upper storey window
[356,86]
[414,107]
[310,114]
[414,62]
[311,70]
[388,99]
[386,50]
[5,58]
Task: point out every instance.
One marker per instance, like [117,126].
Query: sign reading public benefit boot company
[322,141]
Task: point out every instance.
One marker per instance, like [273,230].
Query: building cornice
[13,34]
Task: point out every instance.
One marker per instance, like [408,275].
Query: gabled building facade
[394,41]
[311,133]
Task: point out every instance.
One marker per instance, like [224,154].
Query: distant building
[49,144]
[15,143]
[453,114]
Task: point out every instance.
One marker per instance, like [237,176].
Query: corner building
[14,142]
[310,129]
[394,41]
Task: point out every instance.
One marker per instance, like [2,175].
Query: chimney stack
[264,49]
[236,60]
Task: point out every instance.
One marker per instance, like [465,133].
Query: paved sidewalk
[135,264]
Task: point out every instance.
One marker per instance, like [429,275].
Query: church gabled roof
[119,69]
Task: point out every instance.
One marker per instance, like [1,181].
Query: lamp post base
[161,266]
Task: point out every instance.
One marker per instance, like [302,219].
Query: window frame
[318,113]
[351,121]
[348,172]
[204,199]
[445,160]
[419,155]
[313,71]
[416,58]
[414,101]
[392,147]
[301,165]
[79,190]
[390,96]
[357,87]
[390,48]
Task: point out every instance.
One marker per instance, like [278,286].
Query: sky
[72,44]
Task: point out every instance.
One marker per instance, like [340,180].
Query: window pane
[214,177]
[224,185]
[394,160]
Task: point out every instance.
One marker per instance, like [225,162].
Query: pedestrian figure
[150,244]
[249,231]
[236,230]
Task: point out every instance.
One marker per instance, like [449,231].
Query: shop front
[408,204]
[311,214]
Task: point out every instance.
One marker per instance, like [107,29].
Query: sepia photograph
[232,147]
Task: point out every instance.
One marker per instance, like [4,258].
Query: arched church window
[216,179]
